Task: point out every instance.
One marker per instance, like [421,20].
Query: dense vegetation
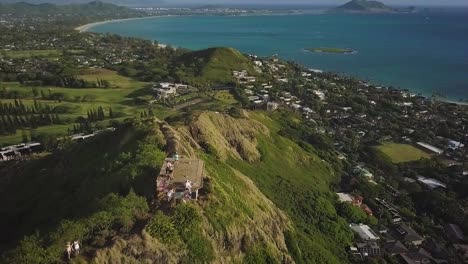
[55,199]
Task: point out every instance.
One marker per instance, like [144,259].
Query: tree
[24,136]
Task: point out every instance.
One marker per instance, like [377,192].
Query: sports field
[400,153]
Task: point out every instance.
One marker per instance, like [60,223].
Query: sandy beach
[86,27]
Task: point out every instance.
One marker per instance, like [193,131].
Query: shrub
[185,217]
[162,228]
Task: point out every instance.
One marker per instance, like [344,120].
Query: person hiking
[169,168]
[69,250]
[76,247]
[170,193]
[188,186]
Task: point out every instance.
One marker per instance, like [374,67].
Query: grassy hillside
[266,200]
[214,65]
[99,192]
[296,181]
[126,97]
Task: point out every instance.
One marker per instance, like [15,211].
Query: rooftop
[186,169]
[364,231]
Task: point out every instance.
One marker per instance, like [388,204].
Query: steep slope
[295,180]
[89,188]
[214,65]
[265,200]
[365,6]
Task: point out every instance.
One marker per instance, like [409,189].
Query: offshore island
[331,50]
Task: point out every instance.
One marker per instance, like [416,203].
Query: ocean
[424,52]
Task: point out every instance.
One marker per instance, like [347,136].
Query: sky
[329,2]
[259,2]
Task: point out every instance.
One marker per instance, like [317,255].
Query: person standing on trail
[169,168]
[176,156]
[170,193]
[76,247]
[188,186]
[69,250]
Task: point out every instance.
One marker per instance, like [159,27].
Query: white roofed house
[363,172]
[431,183]
[165,90]
[452,144]
[319,94]
[344,197]
[364,232]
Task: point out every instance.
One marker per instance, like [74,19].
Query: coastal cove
[422,52]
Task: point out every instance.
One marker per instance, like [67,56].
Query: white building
[319,94]
[166,89]
[431,183]
[430,148]
[364,232]
[344,197]
[452,144]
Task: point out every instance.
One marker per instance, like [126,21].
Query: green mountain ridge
[214,65]
[266,199]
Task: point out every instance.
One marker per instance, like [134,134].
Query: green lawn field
[400,153]
[127,98]
[116,81]
[30,53]
[121,98]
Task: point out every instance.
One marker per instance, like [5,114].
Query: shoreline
[87,27]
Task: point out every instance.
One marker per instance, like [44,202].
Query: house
[319,94]
[369,249]
[344,197]
[272,106]
[420,256]
[396,217]
[395,247]
[363,172]
[20,150]
[240,74]
[364,232]
[354,252]
[454,233]
[431,183]
[408,235]
[429,148]
[452,144]
[165,90]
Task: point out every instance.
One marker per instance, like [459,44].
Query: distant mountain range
[130,3]
[91,9]
[364,6]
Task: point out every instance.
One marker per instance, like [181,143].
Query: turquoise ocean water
[424,52]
